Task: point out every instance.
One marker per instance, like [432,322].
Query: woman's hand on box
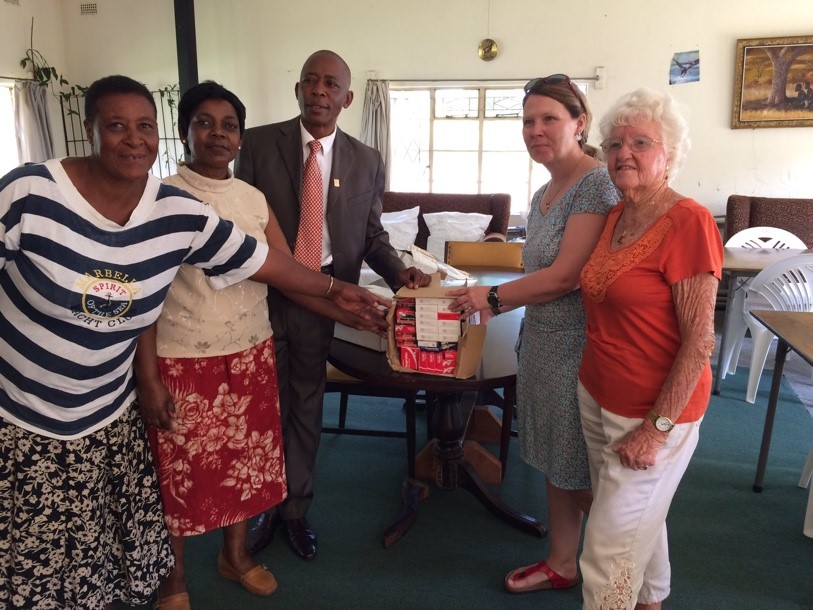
[468,300]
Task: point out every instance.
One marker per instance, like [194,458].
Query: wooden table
[741,262]
[795,332]
[448,458]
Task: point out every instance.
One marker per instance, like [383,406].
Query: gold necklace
[558,191]
[628,232]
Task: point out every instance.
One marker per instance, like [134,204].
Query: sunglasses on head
[554,79]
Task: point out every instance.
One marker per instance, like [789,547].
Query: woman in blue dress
[564,223]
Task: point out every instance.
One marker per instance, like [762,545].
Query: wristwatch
[662,423]
[494,300]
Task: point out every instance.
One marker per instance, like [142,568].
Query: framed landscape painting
[773,85]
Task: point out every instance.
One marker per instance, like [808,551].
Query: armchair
[794,215]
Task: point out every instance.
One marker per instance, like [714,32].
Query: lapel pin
[336,182]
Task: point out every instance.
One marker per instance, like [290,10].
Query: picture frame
[773,85]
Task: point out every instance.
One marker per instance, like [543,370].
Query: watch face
[663,424]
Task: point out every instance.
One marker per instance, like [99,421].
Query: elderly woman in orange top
[649,290]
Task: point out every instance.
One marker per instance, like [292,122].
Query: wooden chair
[507,255]
[346,385]
[484,254]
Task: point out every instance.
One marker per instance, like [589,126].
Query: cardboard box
[466,358]
[362,337]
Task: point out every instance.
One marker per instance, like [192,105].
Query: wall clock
[487,49]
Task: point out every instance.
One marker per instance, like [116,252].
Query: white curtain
[34,141]
[375,121]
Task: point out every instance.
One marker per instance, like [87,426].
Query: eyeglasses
[638,144]
[554,79]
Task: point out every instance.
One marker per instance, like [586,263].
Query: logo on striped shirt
[105,298]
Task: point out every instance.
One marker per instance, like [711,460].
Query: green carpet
[730,548]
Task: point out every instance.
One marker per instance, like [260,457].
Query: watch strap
[493,298]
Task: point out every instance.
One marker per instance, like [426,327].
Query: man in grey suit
[271,159]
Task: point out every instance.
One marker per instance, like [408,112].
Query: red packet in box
[410,358]
[461,363]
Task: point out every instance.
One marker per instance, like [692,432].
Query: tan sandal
[179,601]
[258,580]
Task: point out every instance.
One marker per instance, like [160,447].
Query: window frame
[535,177]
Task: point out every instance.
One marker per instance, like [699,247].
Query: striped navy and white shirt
[76,289]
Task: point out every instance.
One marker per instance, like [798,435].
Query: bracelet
[329,287]
[496,311]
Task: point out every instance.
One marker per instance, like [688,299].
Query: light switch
[601,75]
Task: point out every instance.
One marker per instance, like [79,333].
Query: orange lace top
[632,330]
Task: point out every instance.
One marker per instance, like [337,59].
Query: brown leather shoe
[301,538]
[262,533]
[258,580]
[179,601]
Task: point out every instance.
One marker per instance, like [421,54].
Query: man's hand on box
[376,323]
[412,277]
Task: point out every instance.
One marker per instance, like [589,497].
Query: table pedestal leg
[413,492]
[451,470]
[472,483]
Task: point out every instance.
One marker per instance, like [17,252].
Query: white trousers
[625,559]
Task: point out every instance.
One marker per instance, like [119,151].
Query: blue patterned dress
[552,339]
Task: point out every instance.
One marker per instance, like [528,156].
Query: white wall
[256,48]
[15,39]
[15,34]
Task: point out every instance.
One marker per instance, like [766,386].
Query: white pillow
[402,227]
[453,226]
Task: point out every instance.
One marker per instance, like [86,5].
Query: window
[170,149]
[447,139]
[8,133]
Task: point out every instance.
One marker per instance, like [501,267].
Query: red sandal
[555,580]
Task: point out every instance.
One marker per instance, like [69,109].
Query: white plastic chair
[807,474]
[735,327]
[784,286]
[807,471]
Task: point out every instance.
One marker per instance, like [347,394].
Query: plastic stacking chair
[734,331]
[807,474]
[807,471]
[784,286]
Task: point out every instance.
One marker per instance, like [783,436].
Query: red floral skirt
[222,461]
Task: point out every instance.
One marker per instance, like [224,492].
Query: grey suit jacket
[271,160]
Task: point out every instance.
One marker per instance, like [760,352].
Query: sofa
[794,215]
[498,205]
[429,220]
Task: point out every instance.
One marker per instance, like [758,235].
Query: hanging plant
[46,75]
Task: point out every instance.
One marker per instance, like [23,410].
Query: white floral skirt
[81,523]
